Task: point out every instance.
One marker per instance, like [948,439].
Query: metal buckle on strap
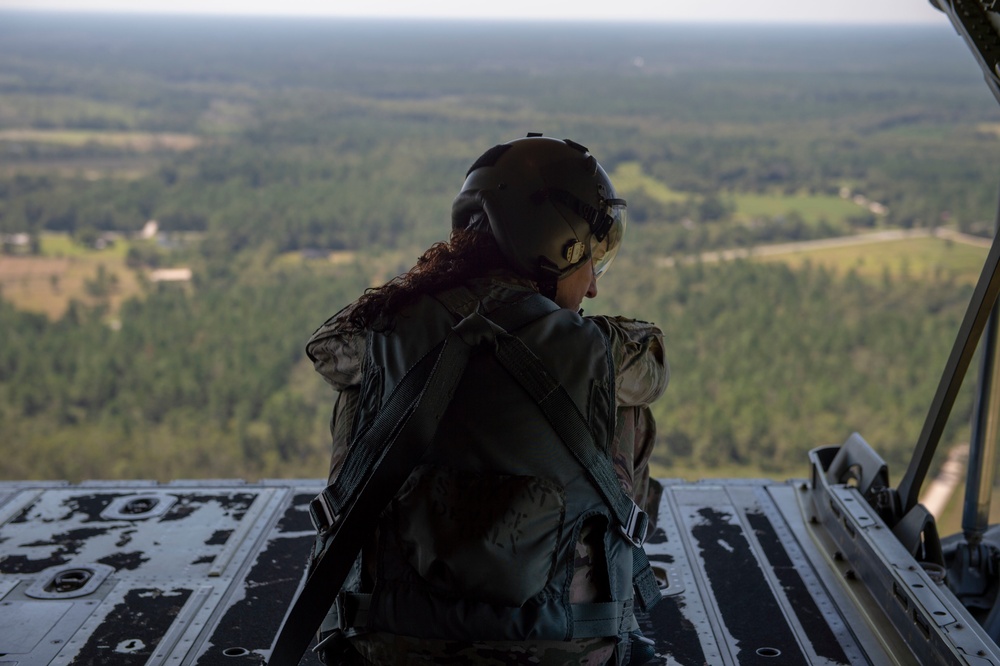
[332,637]
[338,605]
[321,513]
[352,609]
[634,530]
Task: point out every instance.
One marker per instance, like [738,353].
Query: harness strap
[352,609]
[607,618]
[644,580]
[389,467]
[382,457]
[572,428]
[377,464]
[325,509]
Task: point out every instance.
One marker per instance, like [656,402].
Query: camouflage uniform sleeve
[641,368]
[635,436]
[338,357]
[642,374]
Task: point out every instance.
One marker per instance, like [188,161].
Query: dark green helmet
[549,204]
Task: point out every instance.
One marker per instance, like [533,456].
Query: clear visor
[603,251]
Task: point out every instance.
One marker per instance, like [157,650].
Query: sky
[730,11]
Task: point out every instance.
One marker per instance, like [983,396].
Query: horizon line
[250,14]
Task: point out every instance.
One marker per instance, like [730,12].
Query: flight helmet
[548,203]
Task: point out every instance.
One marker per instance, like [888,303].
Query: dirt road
[826,243]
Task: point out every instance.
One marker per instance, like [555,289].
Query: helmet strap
[548,278]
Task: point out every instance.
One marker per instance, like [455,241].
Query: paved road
[826,243]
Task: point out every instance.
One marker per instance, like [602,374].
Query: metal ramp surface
[202,572]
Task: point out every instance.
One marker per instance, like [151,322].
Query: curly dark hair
[466,255]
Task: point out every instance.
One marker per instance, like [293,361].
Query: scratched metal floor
[742,581]
[201,573]
[184,573]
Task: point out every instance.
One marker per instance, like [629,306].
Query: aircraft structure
[840,568]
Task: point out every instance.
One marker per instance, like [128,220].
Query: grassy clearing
[811,207]
[988,129]
[629,177]
[914,258]
[138,141]
[47,285]
[24,109]
[62,245]
[66,271]
[124,167]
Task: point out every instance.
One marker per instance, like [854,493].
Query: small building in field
[170,275]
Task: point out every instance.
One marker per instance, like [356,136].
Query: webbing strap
[644,580]
[366,451]
[360,459]
[386,474]
[566,420]
[605,618]
[375,468]
[380,461]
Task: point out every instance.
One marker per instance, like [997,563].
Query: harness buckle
[338,605]
[321,512]
[634,530]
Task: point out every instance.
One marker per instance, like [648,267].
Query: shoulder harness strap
[565,418]
[381,459]
[376,466]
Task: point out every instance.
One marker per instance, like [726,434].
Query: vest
[480,542]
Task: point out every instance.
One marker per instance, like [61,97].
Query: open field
[811,207]
[67,271]
[137,141]
[916,254]
[88,154]
[61,245]
[629,177]
[122,168]
[915,258]
[747,207]
[47,285]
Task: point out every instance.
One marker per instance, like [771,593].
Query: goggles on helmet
[607,226]
[603,250]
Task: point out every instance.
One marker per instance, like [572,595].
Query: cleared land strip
[139,141]
[823,244]
[938,492]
